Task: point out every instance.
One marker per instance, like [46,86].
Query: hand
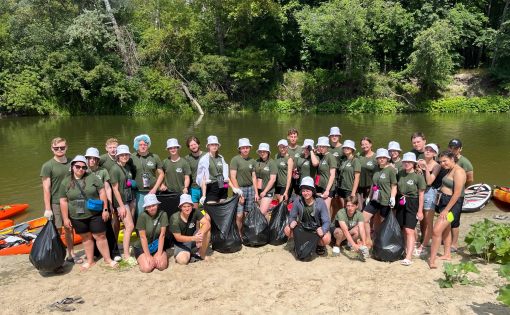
[392,202]
[262,194]
[257,197]
[105,215]
[320,232]
[325,194]
[198,237]
[152,191]
[353,194]
[237,191]
[185,190]
[163,187]
[202,200]
[356,247]
[67,223]
[285,196]
[48,214]
[422,164]
[443,215]
[293,224]
[419,216]
[122,211]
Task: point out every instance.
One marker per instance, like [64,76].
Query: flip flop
[406,262]
[71,300]
[85,267]
[453,249]
[61,307]
[500,217]
[74,260]
[113,264]
[321,250]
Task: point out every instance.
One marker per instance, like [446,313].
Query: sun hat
[172,143]
[212,140]
[433,146]
[79,158]
[409,157]
[150,200]
[308,142]
[263,147]
[283,142]
[334,131]
[455,143]
[145,138]
[185,198]
[349,144]
[92,152]
[122,149]
[382,152]
[323,142]
[307,183]
[394,146]
[244,142]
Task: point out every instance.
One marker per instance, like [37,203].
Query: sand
[256,280]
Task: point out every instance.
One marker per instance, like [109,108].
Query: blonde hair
[111,140]
[57,140]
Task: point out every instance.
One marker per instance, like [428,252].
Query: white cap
[244,142]
[185,198]
[409,157]
[172,143]
[394,145]
[433,146]
[283,142]
[263,147]
[349,144]
[323,141]
[150,200]
[122,149]
[92,152]
[79,158]
[212,140]
[308,142]
[307,181]
[382,152]
[334,131]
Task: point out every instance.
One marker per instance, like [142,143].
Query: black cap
[455,143]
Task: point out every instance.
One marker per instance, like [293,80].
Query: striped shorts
[249,200]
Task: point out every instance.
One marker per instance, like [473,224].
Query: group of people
[345,193]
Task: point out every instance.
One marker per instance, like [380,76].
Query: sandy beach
[257,280]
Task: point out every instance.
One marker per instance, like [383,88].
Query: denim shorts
[429,199]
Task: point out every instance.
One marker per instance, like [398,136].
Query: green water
[25,141]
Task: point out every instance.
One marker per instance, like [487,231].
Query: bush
[280,106]
[463,104]
[490,241]
[363,105]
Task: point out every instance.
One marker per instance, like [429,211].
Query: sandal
[85,266]
[321,250]
[74,260]
[113,264]
[406,262]
[417,251]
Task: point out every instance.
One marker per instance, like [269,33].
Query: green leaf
[504,271]
[504,294]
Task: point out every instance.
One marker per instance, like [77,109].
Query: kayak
[26,247]
[7,211]
[6,223]
[476,197]
[133,238]
[32,224]
[502,194]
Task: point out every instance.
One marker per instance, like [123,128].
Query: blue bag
[95,205]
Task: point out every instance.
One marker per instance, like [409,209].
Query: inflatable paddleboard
[476,197]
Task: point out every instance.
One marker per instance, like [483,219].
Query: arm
[186,184]
[102,196]
[290,167]
[184,239]
[233,179]
[347,234]
[46,183]
[469,178]
[331,181]
[430,176]
[270,184]
[421,197]
[109,193]
[254,181]
[325,218]
[65,212]
[159,181]
[205,224]
[314,159]
[144,242]
[361,227]
[161,240]
[118,197]
[292,219]
[356,183]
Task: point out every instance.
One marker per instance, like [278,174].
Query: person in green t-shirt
[77,190]
[285,165]
[176,169]
[326,173]
[306,165]
[152,224]
[349,225]
[194,156]
[348,172]
[212,173]
[109,159]
[418,140]
[368,166]
[191,230]
[394,151]
[265,171]
[335,136]
[295,151]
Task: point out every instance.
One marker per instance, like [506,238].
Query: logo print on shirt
[150,164]
[282,163]
[266,168]
[383,176]
[250,166]
[348,165]
[178,170]
[370,163]
[191,225]
[410,182]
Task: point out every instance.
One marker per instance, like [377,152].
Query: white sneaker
[365,254]
[117,258]
[336,250]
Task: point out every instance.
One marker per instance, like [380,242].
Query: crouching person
[191,231]
[150,251]
[310,211]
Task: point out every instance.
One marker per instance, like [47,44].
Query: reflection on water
[25,141]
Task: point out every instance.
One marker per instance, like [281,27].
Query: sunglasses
[59,148]
[80,167]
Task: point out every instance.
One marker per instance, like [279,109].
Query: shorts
[215,193]
[249,200]
[279,190]
[364,191]
[138,250]
[94,224]
[195,193]
[429,199]
[57,215]
[184,247]
[320,190]
[268,195]
[456,209]
[406,214]
[342,193]
[294,186]
[373,207]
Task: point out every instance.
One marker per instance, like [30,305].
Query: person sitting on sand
[191,230]
[310,210]
[150,250]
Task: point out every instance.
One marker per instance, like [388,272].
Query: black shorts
[215,193]
[138,250]
[294,186]
[373,207]
[406,214]
[342,193]
[279,190]
[320,190]
[94,224]
[364,191]
[456,209]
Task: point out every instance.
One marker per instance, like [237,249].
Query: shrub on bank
[487,104]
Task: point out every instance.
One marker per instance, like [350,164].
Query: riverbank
[257,280]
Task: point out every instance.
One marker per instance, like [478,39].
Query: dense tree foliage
[140,56]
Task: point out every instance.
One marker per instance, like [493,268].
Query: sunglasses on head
[59,148]
[78,167]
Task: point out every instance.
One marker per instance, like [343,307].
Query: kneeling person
[183,225]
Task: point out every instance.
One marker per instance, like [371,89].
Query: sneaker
[365,254]
[117,258]
[336,250]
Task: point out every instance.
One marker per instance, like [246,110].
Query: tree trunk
[503,19]
[191,98]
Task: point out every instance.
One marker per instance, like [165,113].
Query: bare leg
[69,241]
[325,240]
[183,258]
[367,216]
[205,244]
[339,236]
[327,201]
[161,261]
[410,239]
[455,237]
[88,245]
[264,206]
[239,222]
[102,245]
[128,229]
[427,224]
[439,227]
[447,241]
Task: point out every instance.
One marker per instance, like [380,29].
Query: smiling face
[79,169]
[59,149]
[194,147]
[347,151]
[419,144]
[244,151]
[446,162]
[111,148]
[366,146]
[283,149]
[394,154]
[408,166]
[123,158]
[264,155]
[306,193]
[382,161]
[430,153]
[152,210]
[173,151]
[186,208]
[322,149]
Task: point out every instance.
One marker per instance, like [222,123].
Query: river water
[25,141]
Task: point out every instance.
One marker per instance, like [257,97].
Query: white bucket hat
[150,200]
[263,147]
[307,182]
[409,157]
[382,152]
[172,143]
[212,140]
[349,144]
[92,152]
[334,131]
[122,149]
[244,142]
[323,142]
[394,146]
[433,146]
[79,158]
[308,142]
[283,142]
[185,198]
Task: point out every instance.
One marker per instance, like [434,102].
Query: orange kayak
[32,224]
[6,223]
[502,194]
[25,248]
[7,211]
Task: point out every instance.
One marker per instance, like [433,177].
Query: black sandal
[321,250]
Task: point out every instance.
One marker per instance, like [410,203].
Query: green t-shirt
[368,166]
[215,168]
[327,162]
[101,173]
[419,155]
[338,153]
[296,152]
[244,169]
[384,179]
[193,164]
[90,185]
[148,165]
[56,171]
[264,170]
[178,226]
[465,164]
[175,173]
[347,170]
[341,216]
[397,165]
[105,161]
[410,183]
[282,162]
[305,167]
[119,174]
[148,223]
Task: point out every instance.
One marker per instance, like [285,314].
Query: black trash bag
[389,243]
[305,240]
[169,202]
[48,252]
[224,234]
[277,224]
[255,228]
